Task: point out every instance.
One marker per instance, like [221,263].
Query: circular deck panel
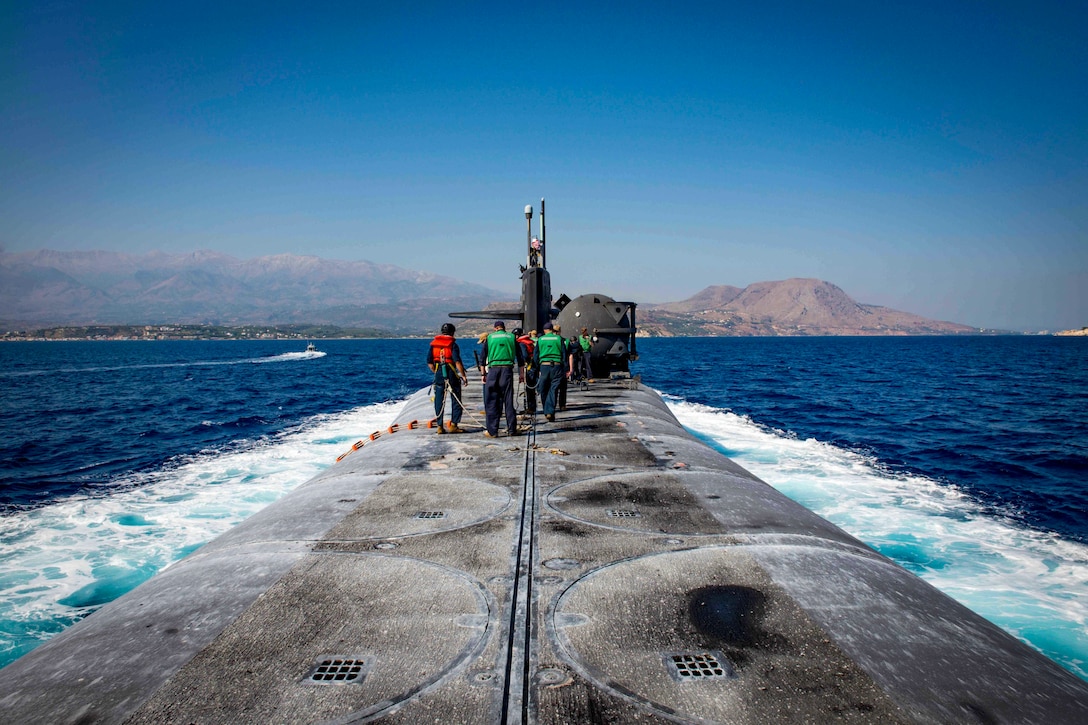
[361,617]
[413,505]
[652,502]
[706,634]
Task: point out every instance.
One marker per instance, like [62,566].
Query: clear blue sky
[927,156]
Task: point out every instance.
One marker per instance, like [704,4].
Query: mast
[543,245]
[530,256]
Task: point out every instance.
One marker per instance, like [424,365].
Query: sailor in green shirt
[585,342]
[549,358]
[501,354]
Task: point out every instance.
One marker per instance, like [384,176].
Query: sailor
[527,342]
[501,353]
[536,253]
[549,359]
[568,370]
[575,352]
[585,342]
[444,360]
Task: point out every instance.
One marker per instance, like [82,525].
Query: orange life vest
[528,342]
[442,349]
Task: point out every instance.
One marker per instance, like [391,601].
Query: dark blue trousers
[548,386]
[455,409]
[531,377]
[499,395]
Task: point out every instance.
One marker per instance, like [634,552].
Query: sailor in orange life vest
[526,343]
[444,360]
[501,353]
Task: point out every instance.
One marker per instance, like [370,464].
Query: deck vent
[623,514]
[690,667]
[431,515]
[465,458]
[596,456]
[339,670]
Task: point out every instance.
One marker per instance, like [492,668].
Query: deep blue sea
[964,459]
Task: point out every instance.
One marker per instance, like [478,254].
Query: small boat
[311,348]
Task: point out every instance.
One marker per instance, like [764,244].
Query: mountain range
[50,288]
[46,288]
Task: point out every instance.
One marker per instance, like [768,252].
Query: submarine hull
[607,567]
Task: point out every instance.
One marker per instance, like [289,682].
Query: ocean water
[964,459]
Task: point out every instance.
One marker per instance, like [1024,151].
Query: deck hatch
[431,515]
[694,666]
[337,670]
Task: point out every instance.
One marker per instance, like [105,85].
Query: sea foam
[64,560]
[1021,579]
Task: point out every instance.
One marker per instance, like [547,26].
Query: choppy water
[965,459]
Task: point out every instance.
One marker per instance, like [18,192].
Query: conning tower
[610,323]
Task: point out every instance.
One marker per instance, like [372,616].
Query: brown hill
[712,298]
[788,307]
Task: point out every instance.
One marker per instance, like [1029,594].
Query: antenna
[543,245]
[529,233]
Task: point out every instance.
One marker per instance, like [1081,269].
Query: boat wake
[64,560]
[291,356]
[1017,577]
[283,357]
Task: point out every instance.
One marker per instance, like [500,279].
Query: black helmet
[448,329]
[518,332]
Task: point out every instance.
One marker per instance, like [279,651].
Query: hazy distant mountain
[40,289]
[48,288]
[789,307]
[711,298]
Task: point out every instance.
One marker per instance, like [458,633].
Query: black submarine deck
[604,568]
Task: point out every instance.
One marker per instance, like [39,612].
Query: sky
[927,156]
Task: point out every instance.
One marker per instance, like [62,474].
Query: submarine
[607,567]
